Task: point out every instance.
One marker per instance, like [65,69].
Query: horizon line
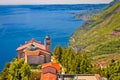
[58,4]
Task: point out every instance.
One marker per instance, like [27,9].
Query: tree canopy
[16,70]
[72,62]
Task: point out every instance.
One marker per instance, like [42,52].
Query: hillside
[87,15]
[90,13]
[100,35]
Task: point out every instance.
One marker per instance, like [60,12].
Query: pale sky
[53,1]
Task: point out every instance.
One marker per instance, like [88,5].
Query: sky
[6,2]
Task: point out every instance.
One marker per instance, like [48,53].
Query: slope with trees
[96,37]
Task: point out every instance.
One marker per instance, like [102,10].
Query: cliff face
[96,36]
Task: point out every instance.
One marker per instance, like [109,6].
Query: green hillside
[96,35]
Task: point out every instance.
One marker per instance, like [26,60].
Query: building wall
[86,78]
[77,77]
[20,54]
[35,59]
[48,58]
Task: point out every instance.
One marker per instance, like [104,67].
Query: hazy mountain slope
[96,36]
[90,13]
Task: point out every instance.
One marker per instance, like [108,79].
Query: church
[35,53]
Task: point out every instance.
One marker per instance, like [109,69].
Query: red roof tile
[35,52]
[31,53]
[49,70]
[34,42]
[51,64]
[48,76]
[103,63]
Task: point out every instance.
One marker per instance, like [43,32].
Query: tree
[16,70]
[72,62]
[25,71]
[58,53]
[113,71]
[4,73]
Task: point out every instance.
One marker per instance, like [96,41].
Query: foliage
[58,52]
[73,63]
[94,37]
[39,67]
[16,70]
[76,63]
[5,72]
[112,72]
[35,74]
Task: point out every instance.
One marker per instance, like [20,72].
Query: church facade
[34,52]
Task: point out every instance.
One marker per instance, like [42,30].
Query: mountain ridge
[97,35]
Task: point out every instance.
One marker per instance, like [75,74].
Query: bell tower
[47,43]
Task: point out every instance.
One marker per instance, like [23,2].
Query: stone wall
[35,59]
[20,54]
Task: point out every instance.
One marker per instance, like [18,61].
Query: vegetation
[16,70]
[73,63]
[19,70]
[112,72]
[76,63]
[92,41]
[94,38]
[35,74]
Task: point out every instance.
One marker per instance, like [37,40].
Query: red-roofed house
[102,64]
[50,71]
[116,33]
[34,52]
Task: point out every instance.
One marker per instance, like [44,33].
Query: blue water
[21,23]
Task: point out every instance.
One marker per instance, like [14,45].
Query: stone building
[34,52]
[79,77]
[50,71]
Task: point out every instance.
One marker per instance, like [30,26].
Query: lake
[20,23]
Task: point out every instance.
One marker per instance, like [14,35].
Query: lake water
[21,23]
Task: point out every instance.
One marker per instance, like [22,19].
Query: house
[102,64]
[50,71]
[79,77]
[115,33]
[34,52]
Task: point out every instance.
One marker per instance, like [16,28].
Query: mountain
[90,13]
[100,35]
[87,15]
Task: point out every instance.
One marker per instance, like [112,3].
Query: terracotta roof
[35,52]
[49,70]
[31,53]
[44,51]
[115,32]
[34,42]
[103,63]
[48,76]
[51,64]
